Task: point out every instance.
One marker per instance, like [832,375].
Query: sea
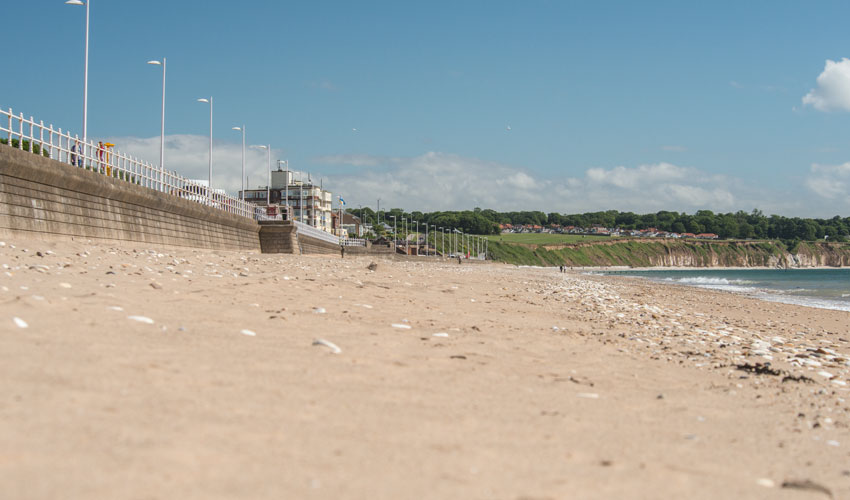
[821,288]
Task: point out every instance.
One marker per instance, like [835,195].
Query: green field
[545,238]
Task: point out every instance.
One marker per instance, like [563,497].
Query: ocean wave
[705,280]
[805,301]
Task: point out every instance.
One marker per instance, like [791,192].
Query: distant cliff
[675,253]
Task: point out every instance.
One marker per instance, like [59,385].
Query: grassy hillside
[691,253]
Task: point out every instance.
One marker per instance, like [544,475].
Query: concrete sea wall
[48,199]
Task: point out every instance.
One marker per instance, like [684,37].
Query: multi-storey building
[307,202]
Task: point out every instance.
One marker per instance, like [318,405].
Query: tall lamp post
[443,244]
[269,185]
[242,129]
[85,76]
[395,236]
[162,121]
[285,182]
[434,233]
[210,102]
[417,235]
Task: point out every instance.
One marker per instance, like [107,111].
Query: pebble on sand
[319,310]
[141,319]
[21,323]
[440,334]
[403,327]
[65,285]
[249,333]
[767,483]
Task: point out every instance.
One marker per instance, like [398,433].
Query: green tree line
[737,225]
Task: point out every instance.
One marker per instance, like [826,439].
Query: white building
[307,202]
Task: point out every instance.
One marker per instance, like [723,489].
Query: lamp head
[158,63]
[237,128]
[204,100]
[74,2]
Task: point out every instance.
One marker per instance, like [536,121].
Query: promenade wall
[48,199]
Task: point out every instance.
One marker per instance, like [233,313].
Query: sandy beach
[148,373]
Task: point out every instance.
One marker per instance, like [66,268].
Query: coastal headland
[660,252]
[134,371]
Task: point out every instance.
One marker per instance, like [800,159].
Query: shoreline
[753,291]
[165,373]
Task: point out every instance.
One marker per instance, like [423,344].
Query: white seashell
[115,308]
[248,333]
[141,319]
[330,345]
[588,395]
[825,374]
[65,285]
[767,483]
[21,323]
[399,325]
[441,334]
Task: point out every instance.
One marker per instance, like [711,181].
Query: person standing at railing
[74,160]
[100,156]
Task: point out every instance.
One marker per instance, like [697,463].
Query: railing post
[51,143]
[21,132]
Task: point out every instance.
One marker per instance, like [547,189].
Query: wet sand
[133,372]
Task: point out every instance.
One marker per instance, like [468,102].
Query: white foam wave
[705,280]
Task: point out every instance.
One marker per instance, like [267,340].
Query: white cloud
[833,90]
[831,182]
[442,181]
[354,160]
[188,156]
[439,181]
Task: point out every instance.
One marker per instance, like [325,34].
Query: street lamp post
[426,239]
[85,76]
[242,129]
[417,237]
[434,233]
[269,184]
[210,102]
[443,244]
[285,183]
[162,122]
[394,234]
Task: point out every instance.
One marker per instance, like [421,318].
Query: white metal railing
[27,134]
[353,242]
[307,230]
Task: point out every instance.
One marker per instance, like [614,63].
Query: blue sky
[627,105]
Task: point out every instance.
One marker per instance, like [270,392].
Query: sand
[143,372]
